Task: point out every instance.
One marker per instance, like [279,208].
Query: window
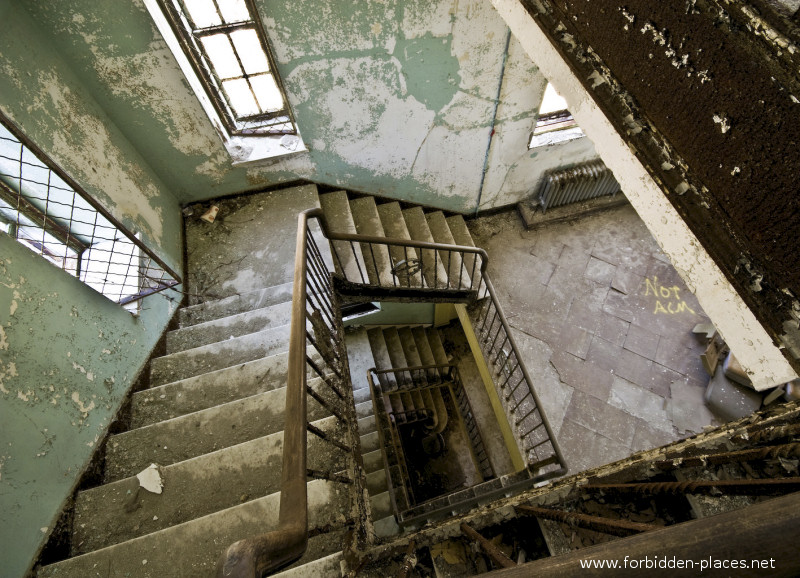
[227,49]
[45,213]
[554,123]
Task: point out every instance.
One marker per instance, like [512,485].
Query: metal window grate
[228,49]
[42,211]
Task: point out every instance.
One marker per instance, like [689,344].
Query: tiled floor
[605,325]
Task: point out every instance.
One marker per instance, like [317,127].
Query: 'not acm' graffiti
[669,295]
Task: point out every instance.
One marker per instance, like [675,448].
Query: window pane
[269,97]
[234,11]
[203,13]
[240,97]
[219,50]
[250,52]
[552,101]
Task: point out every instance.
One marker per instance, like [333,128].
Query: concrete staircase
[212,421]
[212,418]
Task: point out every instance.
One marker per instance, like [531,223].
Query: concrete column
[748,339]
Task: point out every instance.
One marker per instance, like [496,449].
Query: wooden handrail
[252,557]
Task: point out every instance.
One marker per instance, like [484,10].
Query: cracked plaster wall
[395,98]
[67,355]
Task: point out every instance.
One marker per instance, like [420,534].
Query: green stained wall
[398,98]
[67,355]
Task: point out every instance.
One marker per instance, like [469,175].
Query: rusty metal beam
[488,547]
[740,487]
[766,531]
[598,524]
[768,452]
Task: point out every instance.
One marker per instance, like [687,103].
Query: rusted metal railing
[316,321]
[518,395]
[367,266]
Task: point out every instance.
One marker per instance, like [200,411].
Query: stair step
[381,505]
[214,356]
[228,327]
[411,401]
[437,347]
[376,482]
[198,433]
[462,236]
[368,222]
[432,268]
[380,353]
[441,234]
[367,425]
[433,399]
[347,258]
[121,510]
[192,548]
[235,304]
[395,227]
[363,409]
[373,461]
[209,389]
[370,443]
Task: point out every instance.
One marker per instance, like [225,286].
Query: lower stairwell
[272,440]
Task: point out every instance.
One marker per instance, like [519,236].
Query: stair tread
[209,389]
[319,568]
[442,234]
[346,258]
[224,328]
[432,268]
[120,510]
[199,542]
[215,356]
[394,225]
[368,222]
[198,433]
[214,309]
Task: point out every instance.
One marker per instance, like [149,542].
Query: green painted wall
[396,98]
[67,355]
[397,314]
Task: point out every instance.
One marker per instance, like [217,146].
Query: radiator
[577,184]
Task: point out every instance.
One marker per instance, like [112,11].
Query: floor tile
[575,340]
[603,353]
[585,376]
[584,449]
[613,329]
[647,438]
[600,417]
[626,280]
[641,341]
[640,402]
[600,271]
[633,367]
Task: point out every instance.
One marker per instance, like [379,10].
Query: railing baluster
[435,269]
[326,404]
[328,438]
[358,262]
[375,265]
[461,271]
[449,269]
[330,476]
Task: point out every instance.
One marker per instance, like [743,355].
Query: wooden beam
[765,532]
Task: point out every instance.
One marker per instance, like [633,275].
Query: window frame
[53,226]
[189,40]
[554,122]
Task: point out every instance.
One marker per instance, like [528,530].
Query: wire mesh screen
[47,215]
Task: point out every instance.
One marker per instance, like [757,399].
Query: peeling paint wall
[397,98]
[67,354]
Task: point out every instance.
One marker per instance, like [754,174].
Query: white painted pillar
[749,341]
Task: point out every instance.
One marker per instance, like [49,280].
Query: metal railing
[532,430]
[47,212]
[385,383]
[316,322]
[416,270]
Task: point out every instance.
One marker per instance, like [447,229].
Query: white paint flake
[150,479]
